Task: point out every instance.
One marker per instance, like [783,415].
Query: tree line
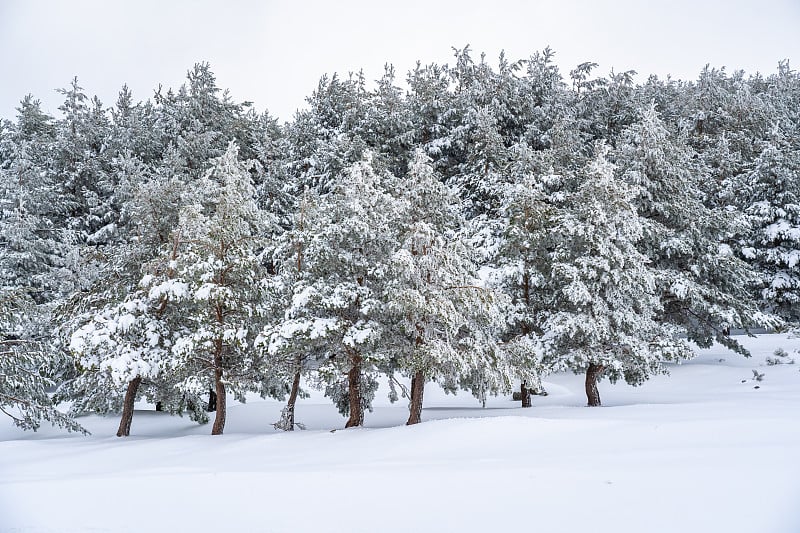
[480,228]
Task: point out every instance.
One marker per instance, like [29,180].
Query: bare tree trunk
[354,389]
[127,407]
[289,420]
[592,375]
[212,401]
[219,419]
[417,392]
[525,395]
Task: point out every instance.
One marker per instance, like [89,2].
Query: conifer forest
[479,225]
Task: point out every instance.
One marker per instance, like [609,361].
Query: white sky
[273,52]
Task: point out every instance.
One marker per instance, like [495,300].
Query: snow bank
[708,449]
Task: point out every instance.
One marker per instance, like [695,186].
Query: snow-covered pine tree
[121,331]
[336,311]
[286,349]
[388,126]
[120,350]
[33,246]
[773,194]
[327,137]
[135,129]
[430,103]
[268,146]
[82,160]
[703,287]
[443,324]
[545,96]
[604,308]
[221,236]
[26,369]
[529,208]
[495,111]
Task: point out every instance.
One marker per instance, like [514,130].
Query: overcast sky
[273,52]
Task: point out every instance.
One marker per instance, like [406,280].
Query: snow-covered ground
[707,449]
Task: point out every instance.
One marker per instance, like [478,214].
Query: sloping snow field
[702,450]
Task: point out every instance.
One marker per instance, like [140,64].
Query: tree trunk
[417,392]
[354,389]
[592,375]
[219,419]
[159,407]
[289,420]
[212,401]
[127,408]
[525,395]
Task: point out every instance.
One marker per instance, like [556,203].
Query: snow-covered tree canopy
[487,225]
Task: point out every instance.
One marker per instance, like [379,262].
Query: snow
[204,292]
[680,289]
[358,334]
[792,258]
[707,449]
[171,288]
[781,230]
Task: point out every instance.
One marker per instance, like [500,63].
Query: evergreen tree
[328,137]
[773,193]
[26,369]
[221,236]
[121,330]
[604,308]
[291,344]
[703,286]
[34,250]
[529,208]
[444,325]
[336,310]
[82,163]
[388,126]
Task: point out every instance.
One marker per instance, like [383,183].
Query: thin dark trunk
[417,392]
[526,287]
[219,419]
[354,390]
[212,401]
[292,400]
[159,407]
[525,395]
[127,408]
[592,375]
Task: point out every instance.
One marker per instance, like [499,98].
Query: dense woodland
[479,228]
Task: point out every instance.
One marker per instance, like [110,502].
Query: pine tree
[120,332]
[546,95]
[337,279]
[773,195]
[388,126]
[199,120]
[329,136]
[34,247]
[82,162]
[529,209]
[285,349]
[443,323]
[603,308]
[221,236]
[26,369]
[36,252]
[704,288]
